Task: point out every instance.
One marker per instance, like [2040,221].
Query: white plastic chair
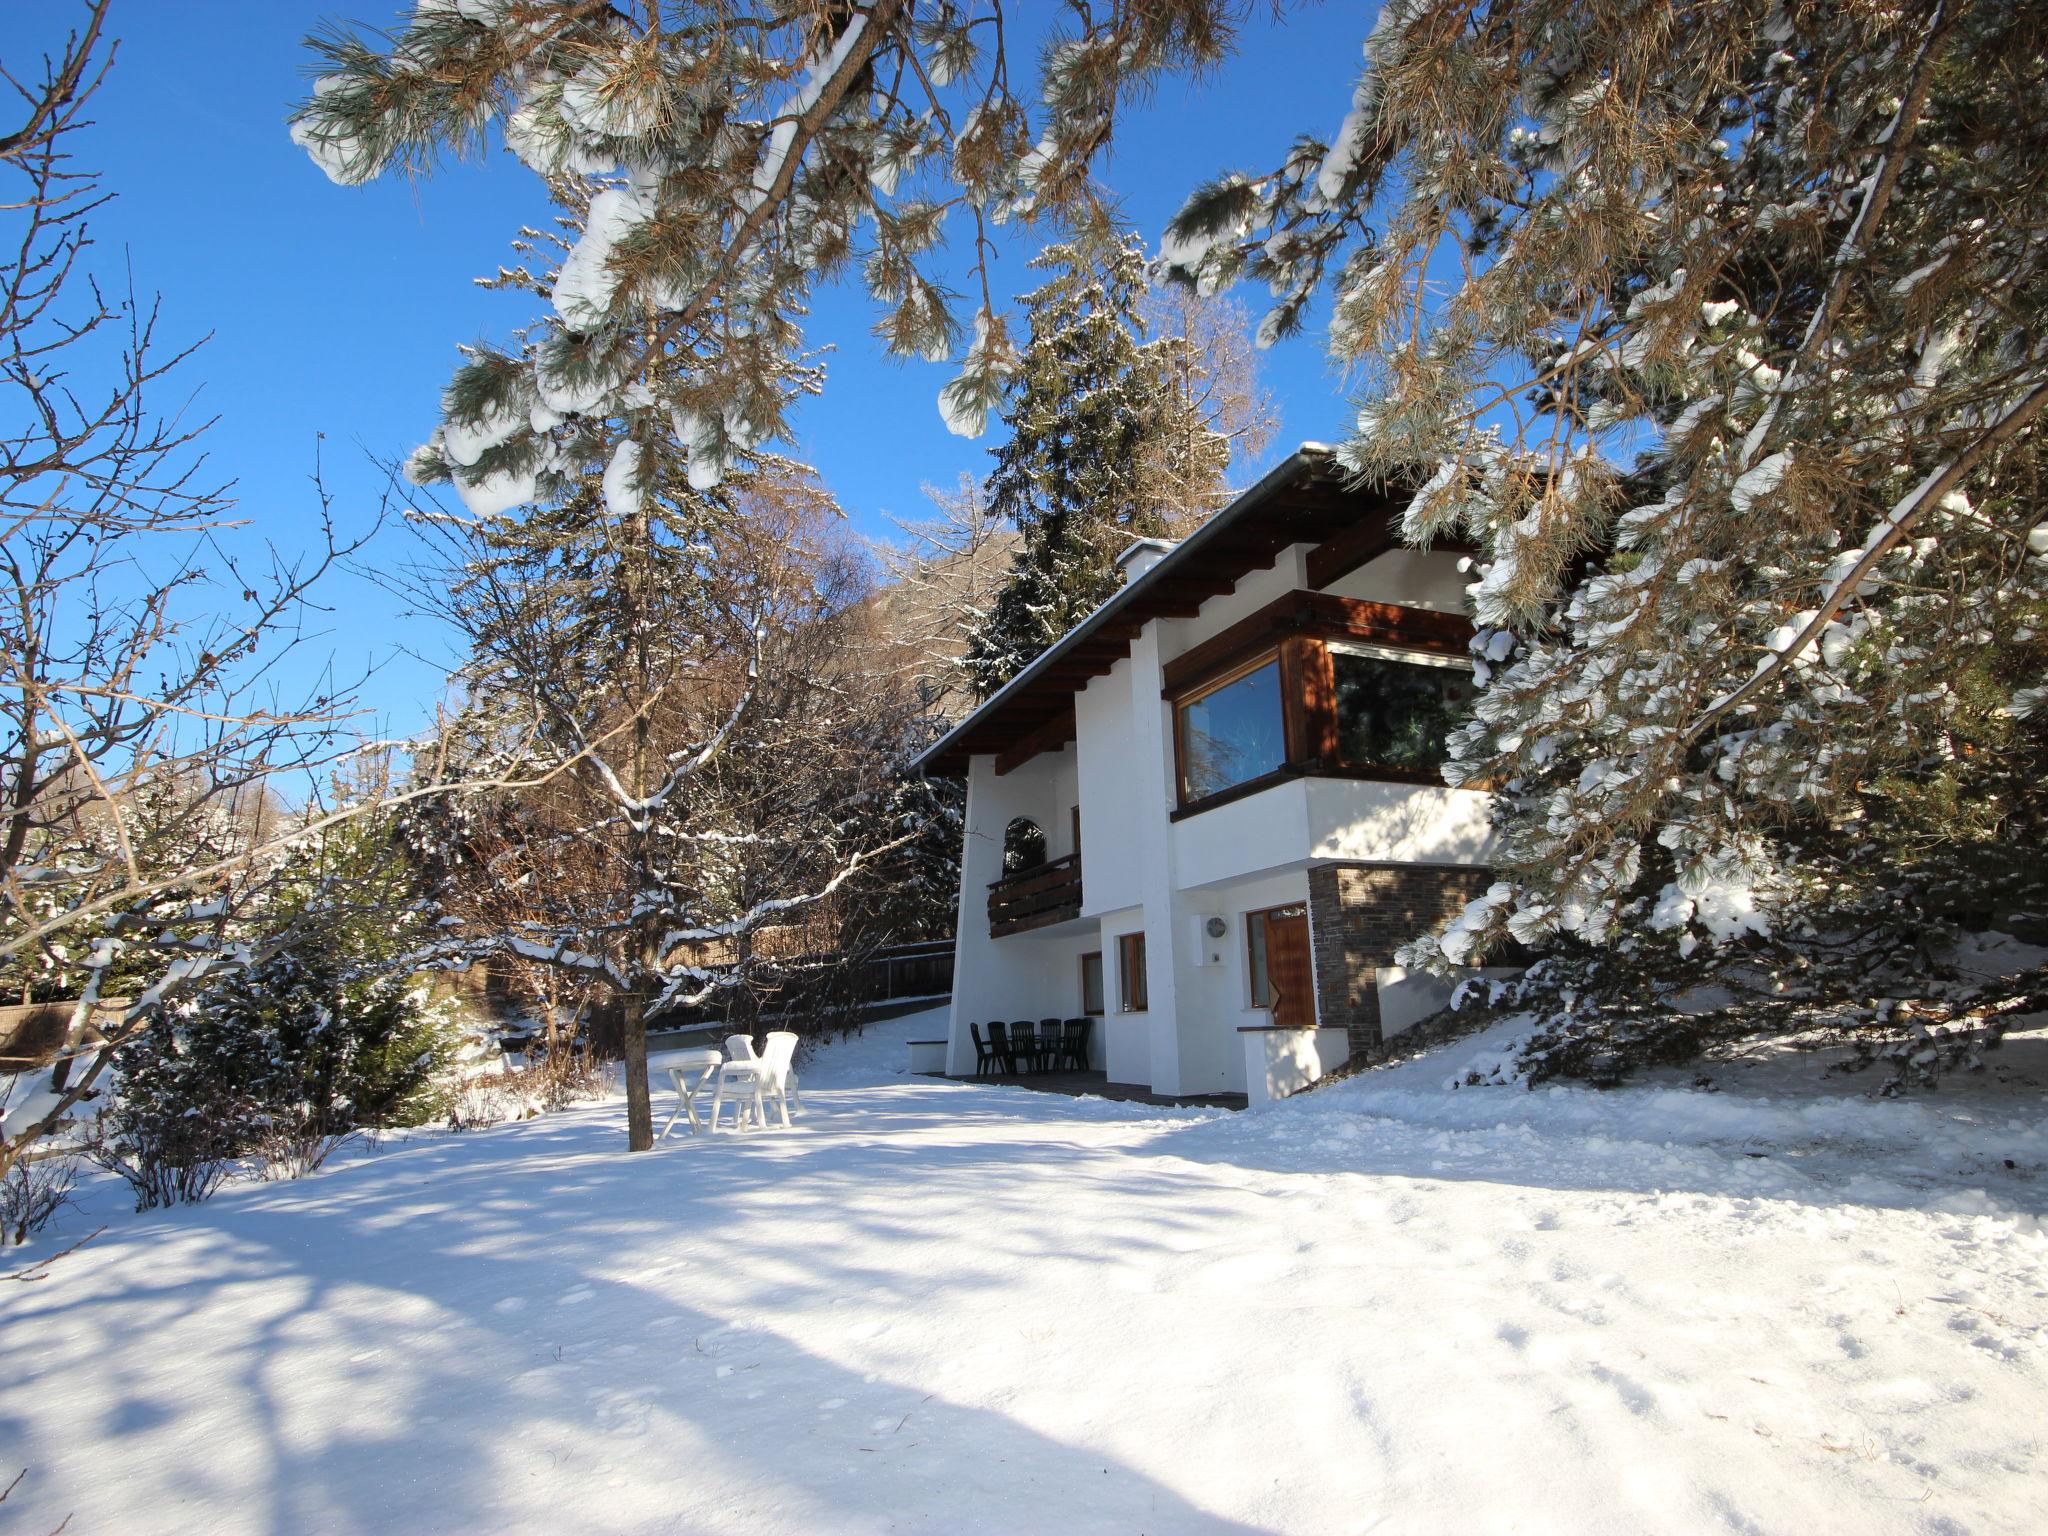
[758,1078]
[788,1050]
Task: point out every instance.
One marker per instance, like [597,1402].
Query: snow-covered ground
[938,1307]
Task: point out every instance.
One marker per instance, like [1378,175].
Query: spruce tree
[1107,445]
[321,1031]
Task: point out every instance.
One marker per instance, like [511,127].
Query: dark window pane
[1395,714]
[1232,734]
[1023,846]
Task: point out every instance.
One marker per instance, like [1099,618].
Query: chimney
[1141,556]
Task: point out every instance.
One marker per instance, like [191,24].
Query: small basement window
[1395,708]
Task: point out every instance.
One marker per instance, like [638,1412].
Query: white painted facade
[1143,871]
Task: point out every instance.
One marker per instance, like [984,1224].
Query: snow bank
[1830,1141]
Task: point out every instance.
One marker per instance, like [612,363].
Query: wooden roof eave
[1300,500]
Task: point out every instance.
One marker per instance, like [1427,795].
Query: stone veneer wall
[1358,915]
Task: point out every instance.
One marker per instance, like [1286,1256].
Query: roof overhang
[1303,500]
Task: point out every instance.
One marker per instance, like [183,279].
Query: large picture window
[1231,732]
[1315,685]
[1394,709]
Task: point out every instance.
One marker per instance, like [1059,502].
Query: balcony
[1037,897]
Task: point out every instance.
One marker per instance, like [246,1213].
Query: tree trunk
[639,1107]
[646,939]
[744,1012]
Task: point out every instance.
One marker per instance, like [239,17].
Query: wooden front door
[1288,972]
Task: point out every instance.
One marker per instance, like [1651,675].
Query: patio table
[703,1062]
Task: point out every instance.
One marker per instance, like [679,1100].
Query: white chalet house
[1224,785]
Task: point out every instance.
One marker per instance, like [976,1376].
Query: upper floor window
[1231,731]
[1395,708]
[1315,684]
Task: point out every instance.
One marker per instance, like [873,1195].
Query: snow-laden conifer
[1720,329]
[724,158]
[1113,437]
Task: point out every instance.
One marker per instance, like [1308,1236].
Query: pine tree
[1722,328]
[729,156]
[1108,443]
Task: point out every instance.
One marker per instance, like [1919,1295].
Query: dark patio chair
[1024,1055]
[987,1058]
[1049,1042]
[1074,1044]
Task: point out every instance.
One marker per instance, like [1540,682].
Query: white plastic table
[703,1062]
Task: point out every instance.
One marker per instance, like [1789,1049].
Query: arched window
[1023,845]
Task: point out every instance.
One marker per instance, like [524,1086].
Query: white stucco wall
[1113,798]
[1258,588]
[1278,1062]
[1027,975]
[1366,821]
[1248,837]
[1126,1037]
[1212,1002]
[1414,578]
[1408,997]
[1331,820]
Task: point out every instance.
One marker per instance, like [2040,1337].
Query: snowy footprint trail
[941,1307]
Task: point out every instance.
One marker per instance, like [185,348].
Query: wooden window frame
[1101,984]
[1255,922]
[1217,684]
[1133,992]
[1295,630]
[1321,614]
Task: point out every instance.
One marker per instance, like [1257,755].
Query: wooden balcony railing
[1034,898]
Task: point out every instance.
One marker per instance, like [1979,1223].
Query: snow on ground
[941,1307]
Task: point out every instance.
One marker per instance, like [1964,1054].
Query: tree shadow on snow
[453,1333]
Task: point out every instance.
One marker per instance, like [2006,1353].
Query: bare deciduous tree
[145,710]
[680,664]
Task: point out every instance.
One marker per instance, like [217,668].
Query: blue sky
[336,312]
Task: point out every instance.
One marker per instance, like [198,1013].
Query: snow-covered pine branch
[1720,328]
